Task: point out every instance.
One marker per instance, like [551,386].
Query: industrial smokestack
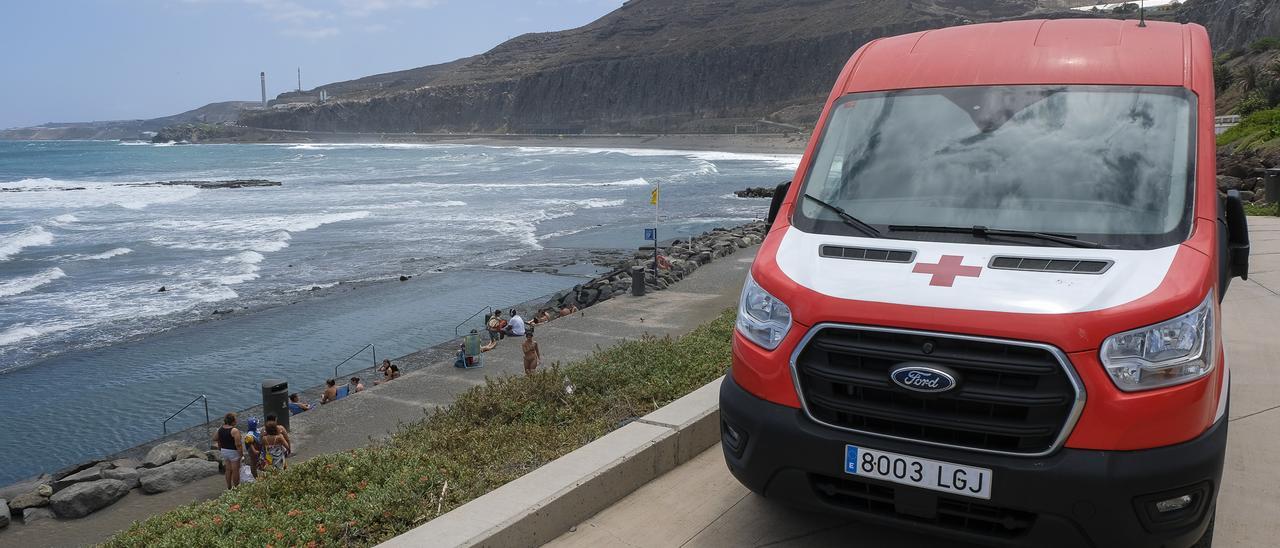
[263,76]
[299,79]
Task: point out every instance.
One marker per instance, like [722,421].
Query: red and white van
[988,307]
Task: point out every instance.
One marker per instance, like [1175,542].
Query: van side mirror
[779,194]
[1237,250]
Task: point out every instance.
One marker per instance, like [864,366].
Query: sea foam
[9,288]
[32,236]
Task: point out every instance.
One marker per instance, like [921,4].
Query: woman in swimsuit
[277,447]
[532,354]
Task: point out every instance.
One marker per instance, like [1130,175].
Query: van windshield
[1108,164]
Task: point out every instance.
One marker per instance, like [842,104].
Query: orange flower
[279,536]
[320,528]
[312,544]
[423,479]
[234,508]
[295,512]
[351,496]
[217,520]
[363,484]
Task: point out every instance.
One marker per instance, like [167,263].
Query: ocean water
[93,357]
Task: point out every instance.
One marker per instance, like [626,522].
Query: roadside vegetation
[491,435]
[1270,210]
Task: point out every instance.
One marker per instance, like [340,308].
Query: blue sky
[79,60]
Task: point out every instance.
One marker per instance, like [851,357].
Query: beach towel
[342,392]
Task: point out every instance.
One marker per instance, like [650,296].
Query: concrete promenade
[700,504]
[380,410]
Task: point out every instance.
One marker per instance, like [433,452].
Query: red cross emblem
[946,270]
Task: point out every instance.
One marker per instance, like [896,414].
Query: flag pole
[656,197]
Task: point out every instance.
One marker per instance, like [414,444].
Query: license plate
[936,475]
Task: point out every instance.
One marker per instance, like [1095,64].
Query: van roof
[1061,51]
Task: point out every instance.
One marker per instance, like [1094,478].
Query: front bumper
[1073,497]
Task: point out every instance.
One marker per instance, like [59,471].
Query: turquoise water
[93,356]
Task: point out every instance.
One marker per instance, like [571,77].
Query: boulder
[168,452]
[126,463]
[175,474]
[4,513]
[87,497]
[26,486]
[91,474]
[73,469]
[1252,183]
[587,297]
[1246,195]
[35,514]
[127,475]
[29,500]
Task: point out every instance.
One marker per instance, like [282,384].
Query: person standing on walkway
[532,354]
[278,447]
[231,447]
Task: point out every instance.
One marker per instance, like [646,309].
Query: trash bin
[1271,186]
[275,400]
[637,281]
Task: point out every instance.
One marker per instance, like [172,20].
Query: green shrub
[1254,130]
[1265,44]
[1252,103]
[1223,77]
[491,435]
[1270,210]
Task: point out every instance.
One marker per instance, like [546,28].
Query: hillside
[212,113]
[672,66]
[650,66]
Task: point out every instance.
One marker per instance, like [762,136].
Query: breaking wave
[12,244]
[9,288]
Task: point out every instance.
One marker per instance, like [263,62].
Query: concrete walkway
[380,410]
[700,504]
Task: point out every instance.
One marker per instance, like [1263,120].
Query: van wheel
[1206,541]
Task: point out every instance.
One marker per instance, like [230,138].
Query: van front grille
[1010,397]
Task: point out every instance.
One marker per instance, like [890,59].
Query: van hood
[962,276]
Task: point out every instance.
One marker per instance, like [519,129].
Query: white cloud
[289,10]
[310,33]
[364,8]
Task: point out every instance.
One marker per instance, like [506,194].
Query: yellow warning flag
[653,197]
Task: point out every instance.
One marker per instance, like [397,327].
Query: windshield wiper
[847,218]
[984,232]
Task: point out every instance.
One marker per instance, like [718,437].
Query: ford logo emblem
[920,377]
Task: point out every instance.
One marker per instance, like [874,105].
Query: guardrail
[457,331]
[165,425]
[358,352]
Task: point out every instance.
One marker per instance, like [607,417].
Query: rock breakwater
[678,259]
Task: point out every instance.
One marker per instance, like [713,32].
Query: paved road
[700,504]
[379,411]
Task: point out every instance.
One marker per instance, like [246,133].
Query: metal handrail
[165,425]
[457,331]
[366,347]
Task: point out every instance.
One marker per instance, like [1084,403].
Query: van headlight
[1172,352]
[762,318]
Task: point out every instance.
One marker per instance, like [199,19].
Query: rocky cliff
[650,66]
[1234,24]
[671,66]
